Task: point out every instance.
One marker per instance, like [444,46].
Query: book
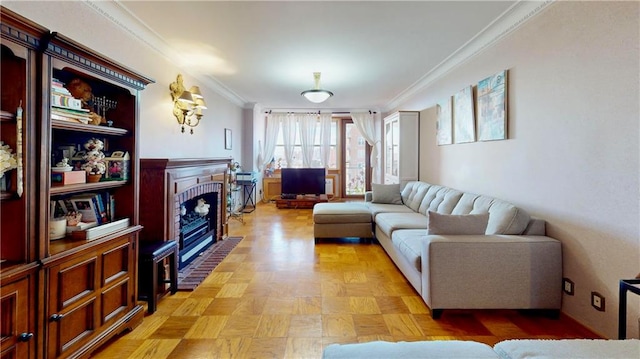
[65,101]
[102,208]
[55,116]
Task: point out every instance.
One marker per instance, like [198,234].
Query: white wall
[160,134]
[572,156]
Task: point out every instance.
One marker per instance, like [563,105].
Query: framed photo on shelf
[443,126]
[227,138]
[464,129]
[492,107]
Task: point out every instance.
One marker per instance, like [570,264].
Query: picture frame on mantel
[227,138]
[492,107]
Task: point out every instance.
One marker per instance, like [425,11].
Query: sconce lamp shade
[195,92]
[186,97]
[200,104]
[317,95]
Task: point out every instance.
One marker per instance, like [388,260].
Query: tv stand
[301,201]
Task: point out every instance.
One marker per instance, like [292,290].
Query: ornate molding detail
[19,36]
[509,21]
[117,14]
[93,66]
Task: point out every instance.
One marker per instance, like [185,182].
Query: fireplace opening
[198,227]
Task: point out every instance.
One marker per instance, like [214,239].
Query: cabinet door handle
[56,317]
[25,337]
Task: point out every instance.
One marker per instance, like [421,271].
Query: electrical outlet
[568,286]
[597,301]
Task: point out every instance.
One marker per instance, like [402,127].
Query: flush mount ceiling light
[317,95]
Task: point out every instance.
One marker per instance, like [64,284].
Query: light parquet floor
[278,295]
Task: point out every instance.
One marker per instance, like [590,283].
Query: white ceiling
[371,53]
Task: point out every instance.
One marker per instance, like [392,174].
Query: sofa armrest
[491,271]
[368,196]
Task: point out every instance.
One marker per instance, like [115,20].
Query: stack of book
[95,207]
[64,106]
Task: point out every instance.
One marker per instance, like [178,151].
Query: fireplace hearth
[197,226]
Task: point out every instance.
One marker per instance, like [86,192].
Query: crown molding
[131,24]
[506,23]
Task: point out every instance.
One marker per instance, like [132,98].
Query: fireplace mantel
[165,183]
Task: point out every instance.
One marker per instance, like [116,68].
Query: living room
[572,153]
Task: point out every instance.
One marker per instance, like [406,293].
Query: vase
[93,178]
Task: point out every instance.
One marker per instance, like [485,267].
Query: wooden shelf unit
[68,296]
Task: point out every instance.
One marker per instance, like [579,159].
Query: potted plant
[94,160]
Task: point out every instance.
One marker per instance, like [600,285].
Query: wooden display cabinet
[65,297]
[91,285]
[19,42]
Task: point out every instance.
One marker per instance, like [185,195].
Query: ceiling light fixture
[317,95]
[187,105]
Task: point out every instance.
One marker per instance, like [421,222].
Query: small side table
[626,285]
[151,257]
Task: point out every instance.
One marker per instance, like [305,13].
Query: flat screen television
[297,181]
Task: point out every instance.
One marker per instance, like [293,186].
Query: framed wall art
[443,125]
[464,129]
[492,107]
[227,138]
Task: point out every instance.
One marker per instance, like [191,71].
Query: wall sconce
[187,105]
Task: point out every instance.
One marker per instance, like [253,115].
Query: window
[280,157]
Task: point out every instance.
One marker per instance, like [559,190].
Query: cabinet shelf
[84,187]
[81,127]
[68,246]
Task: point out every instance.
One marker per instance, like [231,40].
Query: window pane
[279,157]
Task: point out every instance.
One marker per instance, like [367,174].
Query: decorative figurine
[202,208]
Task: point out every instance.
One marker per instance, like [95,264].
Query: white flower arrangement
[94,158]
[8,160]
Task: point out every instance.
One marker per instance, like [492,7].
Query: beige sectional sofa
[457,258]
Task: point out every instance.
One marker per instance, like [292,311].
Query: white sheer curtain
[307,125]
[289,131]
[365,124]
[325,139]
[271,136]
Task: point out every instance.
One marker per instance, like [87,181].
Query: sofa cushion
[433,349]
[413,193]
[568,348]
[377,208]
[386,193]
[456,224]
[504,217]
[443,200]
[409,243]
[389,222]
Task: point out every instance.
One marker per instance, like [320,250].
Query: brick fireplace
[169,194]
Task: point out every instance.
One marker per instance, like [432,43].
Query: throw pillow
[457,224]
[386,193]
